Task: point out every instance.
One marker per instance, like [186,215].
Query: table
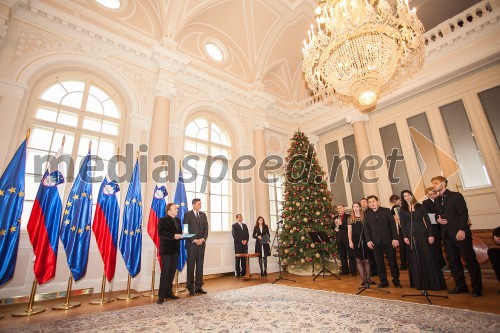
[247,257]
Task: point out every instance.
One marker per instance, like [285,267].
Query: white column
[262,206]
[363,150]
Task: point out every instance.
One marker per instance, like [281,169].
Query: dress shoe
[173,297]
[458,291]
[265,273]
[191,292]
[398,285]
[383,285]
[200,291]
[477,294]
[160,301]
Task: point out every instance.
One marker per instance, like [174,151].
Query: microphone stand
[280,275]
[413,247]
[366,284]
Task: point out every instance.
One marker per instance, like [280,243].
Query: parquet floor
[348,284]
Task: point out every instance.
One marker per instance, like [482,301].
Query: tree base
[307,268]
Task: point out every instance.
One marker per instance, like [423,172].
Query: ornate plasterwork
[4,27]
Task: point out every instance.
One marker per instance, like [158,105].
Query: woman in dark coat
[169,230]
[423,271]
[260,230]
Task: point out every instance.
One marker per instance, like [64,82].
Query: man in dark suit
[240,236]
[381,235]
[437,248]
[453,216]
[197,224]
[345,252]
[169,230]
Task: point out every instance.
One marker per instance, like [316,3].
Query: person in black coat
[396,206]
[169,230]
[381,235]
[437,247]
[260,230]
[345,252]
[453,216]
[240,237]
[424,272]
[197,223]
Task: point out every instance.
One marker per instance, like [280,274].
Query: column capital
[166,89]
[260,122]
[356,117]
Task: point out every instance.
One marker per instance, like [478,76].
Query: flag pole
[102,300]
[129,296]
[68,305]
[30,310]
[152,293]
[177,289]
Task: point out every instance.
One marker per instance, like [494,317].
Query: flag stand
[30,310]
[68,305]
[177,289]
[102,300]
[152,293]
[127,297]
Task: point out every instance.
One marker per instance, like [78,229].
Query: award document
[432,217]
[187,235]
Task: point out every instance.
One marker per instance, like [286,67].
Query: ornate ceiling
[262,38]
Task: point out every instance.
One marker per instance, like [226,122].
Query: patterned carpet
[276,308]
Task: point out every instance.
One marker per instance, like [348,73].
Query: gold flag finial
[28,132]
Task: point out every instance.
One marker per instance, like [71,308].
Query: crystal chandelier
[359,46]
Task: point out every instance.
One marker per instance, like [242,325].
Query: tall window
[276,198]
[81,111]
[208,177]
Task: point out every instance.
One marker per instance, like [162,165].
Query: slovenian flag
[157,211]
[131,232]
[106,223]
[43,224]
[180,199]
[76,221]
[11,208]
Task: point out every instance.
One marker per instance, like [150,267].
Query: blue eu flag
[11,208]
[131,232]
[180,199]
[76,221]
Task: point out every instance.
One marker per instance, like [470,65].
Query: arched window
[82,111]
[208,177]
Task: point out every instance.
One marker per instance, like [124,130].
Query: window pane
[46,114]
[215,203]
[41,160]
[41,138]
[110,109]
[190,146]
[215,188]
[54,93]
[28,206]
[107,149]
[398,176]
[224,139]
[67,118]
[226,221]
[68,143]
[30,187]
[98,93]
[221,152]
[94,106]
[109,128]
[72,86]
[472,169]
[202,134]
[490,100]
[92,124]
[226,204]
[83,147]
[215,138]
[421,124]
[201,148]
[191,130]
[73,100]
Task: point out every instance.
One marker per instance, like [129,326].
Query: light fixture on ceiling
[358,46]
[112,4]
[214,51]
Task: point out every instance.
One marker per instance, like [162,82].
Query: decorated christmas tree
[307,207]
